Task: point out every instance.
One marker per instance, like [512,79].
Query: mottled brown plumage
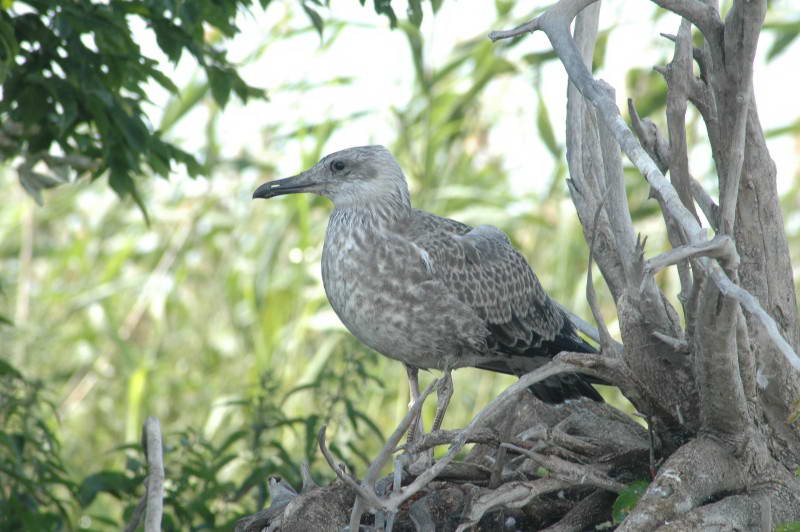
[429,291]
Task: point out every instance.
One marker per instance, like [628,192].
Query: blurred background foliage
[210,314]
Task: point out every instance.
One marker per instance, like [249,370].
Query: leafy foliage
[35,488]
[74,80]
[627,499]
[213,317]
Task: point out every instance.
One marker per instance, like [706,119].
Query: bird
[428,291]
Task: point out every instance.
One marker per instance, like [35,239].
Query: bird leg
[413,385]
[444,392]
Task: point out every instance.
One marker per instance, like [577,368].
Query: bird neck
[375,214]
[381,211]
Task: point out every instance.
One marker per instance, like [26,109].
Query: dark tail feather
[558,388]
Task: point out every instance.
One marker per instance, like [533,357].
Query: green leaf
[384,7]
[8,47]
[415,12]
[6,369]
[220,84]
[627,500]
[112,482]
[792,526]
[785,34]
[545,128]
[316,20]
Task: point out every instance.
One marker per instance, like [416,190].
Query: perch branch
[393,501]
[612,370]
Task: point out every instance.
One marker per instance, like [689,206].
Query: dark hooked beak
[279,187]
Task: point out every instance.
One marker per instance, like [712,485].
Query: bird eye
[337,166]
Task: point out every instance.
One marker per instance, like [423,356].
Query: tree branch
[695,472]
[723,410]
[555,24]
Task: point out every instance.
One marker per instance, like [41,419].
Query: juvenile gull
[429,291]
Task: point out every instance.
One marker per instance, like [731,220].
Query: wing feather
[482,269]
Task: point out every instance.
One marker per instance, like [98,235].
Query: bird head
[362,176]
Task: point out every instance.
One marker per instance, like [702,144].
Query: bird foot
[444,393]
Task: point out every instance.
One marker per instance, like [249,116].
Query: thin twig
[707,205]
[355,486]
[371,476]
[678,344]
[574,473]
[391,443]
[136,516]
[155,475]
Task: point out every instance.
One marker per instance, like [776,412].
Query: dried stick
[573,473]
[391,444]
[355,486]
[511,494]
[679,345]
[155,475]
[721,247]
[707,205]
[386,452]
[483,436]
[137,514]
